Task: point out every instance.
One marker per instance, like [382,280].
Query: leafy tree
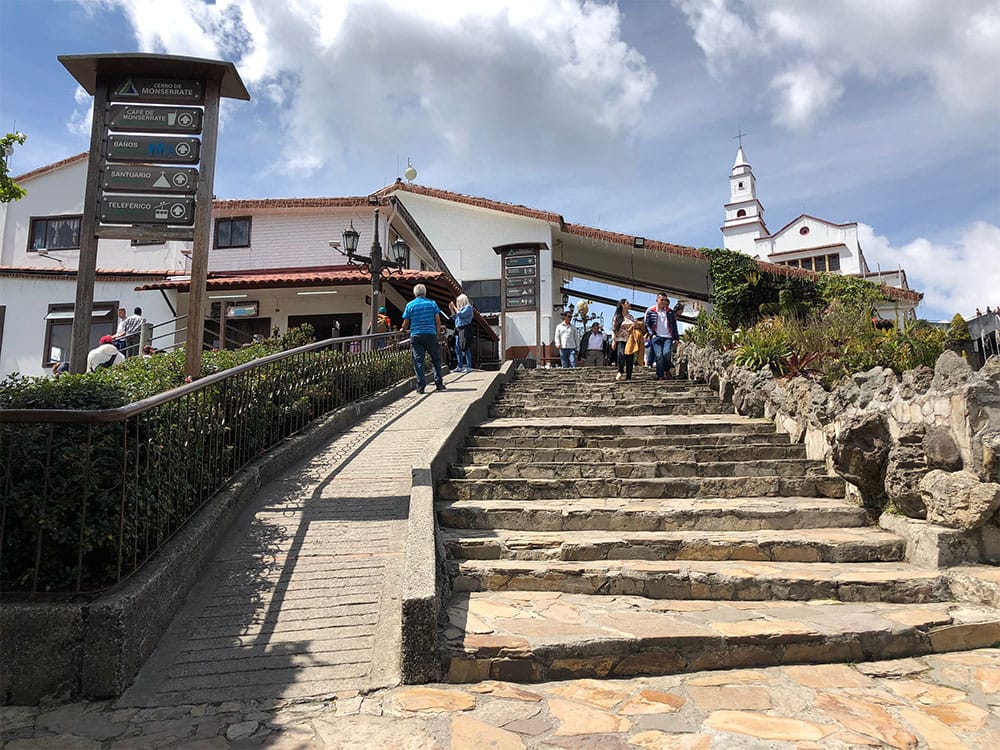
[958,331]
[9,190]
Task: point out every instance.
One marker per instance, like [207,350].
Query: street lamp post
[378,267]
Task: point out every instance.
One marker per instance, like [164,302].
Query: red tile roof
[128,273]
[341,276]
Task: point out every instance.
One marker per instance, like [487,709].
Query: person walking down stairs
[661,324]
[567,340]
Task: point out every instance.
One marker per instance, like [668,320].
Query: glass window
[59,329]
[232,232]
[485,294]
[55,233]
[821,263]
[833,262]
[807,263]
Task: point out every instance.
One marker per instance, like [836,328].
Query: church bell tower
[744,215]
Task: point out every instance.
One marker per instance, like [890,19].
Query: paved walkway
[941,702]
[303,597]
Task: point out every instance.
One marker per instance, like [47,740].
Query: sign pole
[87,269]
[202,231]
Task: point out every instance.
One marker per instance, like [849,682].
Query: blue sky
[615,115]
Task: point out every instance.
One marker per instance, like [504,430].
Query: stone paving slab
[701,514]
[708,579]
[532,636]
[659,487]
[798,545]
[938,702]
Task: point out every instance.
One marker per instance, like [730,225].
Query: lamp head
[350,236]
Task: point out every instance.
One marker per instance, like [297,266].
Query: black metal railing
[87,496]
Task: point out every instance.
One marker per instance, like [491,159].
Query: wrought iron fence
[87,496]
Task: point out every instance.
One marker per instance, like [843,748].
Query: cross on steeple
[739,136]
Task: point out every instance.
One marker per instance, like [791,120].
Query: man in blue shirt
[422,318]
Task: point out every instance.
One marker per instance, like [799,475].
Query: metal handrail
[105,416]
[87,496]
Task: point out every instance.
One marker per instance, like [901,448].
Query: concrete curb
[93,648]
[424,580]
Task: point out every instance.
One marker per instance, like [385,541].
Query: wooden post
[202,232]
[86,272]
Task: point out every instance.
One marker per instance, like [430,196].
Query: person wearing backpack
[105,354]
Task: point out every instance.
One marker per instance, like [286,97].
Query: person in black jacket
[594,346]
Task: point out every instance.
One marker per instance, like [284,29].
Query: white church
[805,242]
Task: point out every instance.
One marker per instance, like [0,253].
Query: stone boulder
[942,450]
[959,500]
[906,465]
[859,452]
[916,382]
[990,442]
[950,371]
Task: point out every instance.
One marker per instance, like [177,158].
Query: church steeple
[744,214]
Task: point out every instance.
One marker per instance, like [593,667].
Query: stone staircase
[596,528]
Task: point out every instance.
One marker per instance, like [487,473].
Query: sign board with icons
[146,209]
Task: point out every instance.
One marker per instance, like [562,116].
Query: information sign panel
[145,209]
[158,148]
[147,178]
[520,279]
[157,90]
[155,119]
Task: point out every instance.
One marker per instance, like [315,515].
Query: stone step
[653,426]
[614,392]
[558,439]
[655,452]
[528,636]
[707,579]
[660,487]
[789,467]
[799,545]
[625,514]
[638,409]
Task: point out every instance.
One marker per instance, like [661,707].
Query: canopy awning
[440,287]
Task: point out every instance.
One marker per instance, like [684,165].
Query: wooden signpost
[152,168]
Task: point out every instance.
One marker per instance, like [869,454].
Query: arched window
[741,212]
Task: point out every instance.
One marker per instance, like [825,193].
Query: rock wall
[923,446]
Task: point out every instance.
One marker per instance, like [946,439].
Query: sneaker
[420,389]
[440,387]
[619,376]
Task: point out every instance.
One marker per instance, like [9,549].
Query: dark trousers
[662,348]
[426,343]
[625,361]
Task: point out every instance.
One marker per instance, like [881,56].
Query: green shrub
[958,332]
[764,345]
[91,502]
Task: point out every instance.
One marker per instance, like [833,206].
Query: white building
[271,267]
[806,242]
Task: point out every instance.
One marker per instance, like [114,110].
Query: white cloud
[531,81]
[804,93]
[955,277]
[950,51]
[80,120]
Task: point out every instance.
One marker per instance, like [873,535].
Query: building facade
[806,242]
